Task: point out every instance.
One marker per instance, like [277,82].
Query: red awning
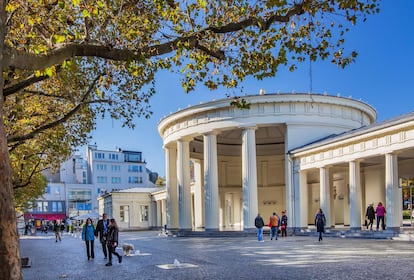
[47,217]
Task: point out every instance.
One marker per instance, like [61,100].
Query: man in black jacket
[259,224]
[102,231]
[370,215]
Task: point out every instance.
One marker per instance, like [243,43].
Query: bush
[407,214]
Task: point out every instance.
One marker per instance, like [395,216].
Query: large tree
[87,57]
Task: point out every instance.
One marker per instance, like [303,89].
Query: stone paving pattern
[293,257]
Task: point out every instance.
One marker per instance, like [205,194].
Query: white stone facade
[294,152]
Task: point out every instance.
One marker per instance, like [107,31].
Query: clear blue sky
[382,76]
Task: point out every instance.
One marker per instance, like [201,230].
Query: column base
[355,229]
[212,229]
[250,230]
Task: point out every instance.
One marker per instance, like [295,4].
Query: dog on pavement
[128,249]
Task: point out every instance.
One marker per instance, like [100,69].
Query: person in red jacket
[380,211]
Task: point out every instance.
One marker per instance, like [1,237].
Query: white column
[183,181]
[249,178]
[325,194]
[333,222]
[355,195]
[296,195]
[159,213]
[163,212]
[211,193]
[392,194]
[198,195]
[292,196]
[303,200]
[172,190]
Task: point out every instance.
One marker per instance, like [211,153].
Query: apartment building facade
[74,191]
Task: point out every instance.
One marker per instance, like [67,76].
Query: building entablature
[372,143]
[265,110]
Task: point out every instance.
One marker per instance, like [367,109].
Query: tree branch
[28,61]
[25,184]
[9,90]
[33,133]
[23,84]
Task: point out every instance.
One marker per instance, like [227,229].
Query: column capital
[248,127]
[169,146]
[212,132]
[185,139]
[356,160]
[395,153]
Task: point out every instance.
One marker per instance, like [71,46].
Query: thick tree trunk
[10,262]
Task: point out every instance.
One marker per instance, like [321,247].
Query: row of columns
[179,192]
[300,189]
[178,182]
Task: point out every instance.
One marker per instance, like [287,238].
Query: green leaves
[240,103]
[212,43]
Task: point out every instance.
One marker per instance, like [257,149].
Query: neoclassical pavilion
[293,152]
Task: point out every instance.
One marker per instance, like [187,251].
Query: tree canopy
[70,61]
[67,62]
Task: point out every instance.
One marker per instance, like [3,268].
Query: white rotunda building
[293,152]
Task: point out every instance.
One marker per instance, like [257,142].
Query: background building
[75,189]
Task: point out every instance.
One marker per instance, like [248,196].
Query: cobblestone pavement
[221,258]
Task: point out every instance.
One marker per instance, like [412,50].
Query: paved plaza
[160,257]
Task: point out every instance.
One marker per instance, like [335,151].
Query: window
[80,195]
[57,190]
[102,179]
[140,180]
[84,174]
[115,168]
[101,167]
[133,168]
[38,207]
[100,155]
[133,180]
[124,213]
[113,156]
[47,189]
[116,180]
[45,206]
[144,213]
[133,157]
[57,206]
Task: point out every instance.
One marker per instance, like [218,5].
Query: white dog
[128,249]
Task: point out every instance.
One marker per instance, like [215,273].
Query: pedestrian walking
[101,231]
[113,233]
[283,223]
[88,235]
[320,222]
[56,229]
[370,215]
[380,211]
[259,224]
[274,226]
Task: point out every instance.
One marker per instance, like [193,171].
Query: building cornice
[266,110]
